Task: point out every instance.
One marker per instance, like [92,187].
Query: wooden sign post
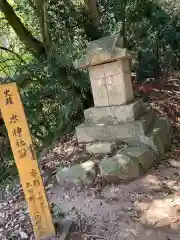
[22,147]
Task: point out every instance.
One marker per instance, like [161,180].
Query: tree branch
[91,6]
[122,34]
[32,44]
[41,10]
[6,60]
[10,51]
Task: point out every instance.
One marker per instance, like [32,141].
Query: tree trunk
[32,44]
[121,17]
[41,12]
[91,7]
[92,22]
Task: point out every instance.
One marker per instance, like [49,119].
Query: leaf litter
[147,208]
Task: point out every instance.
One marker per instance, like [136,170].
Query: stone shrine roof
[102,51]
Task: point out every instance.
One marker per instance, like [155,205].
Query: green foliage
[151,29]
[53,98]
[53,92]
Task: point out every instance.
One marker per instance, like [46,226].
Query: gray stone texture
[140,153]
[165,129]
[158,138]
[100,147]
[111,83]
[116,117]
[77,175]
[119,167]
[114,114]
[143,156]
[109,68]
[112,132]
[103,50]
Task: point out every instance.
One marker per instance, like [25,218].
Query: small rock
[100,147]
[77,175]
[159,137]
[16,226]
[23,235]
[143,156]
[155,141]
[22,218]
[119,167]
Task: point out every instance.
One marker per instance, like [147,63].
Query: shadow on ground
[147,208]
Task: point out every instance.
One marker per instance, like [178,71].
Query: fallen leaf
[23,235]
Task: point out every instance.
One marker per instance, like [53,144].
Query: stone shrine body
[116,115]
[116,118]
[110,74]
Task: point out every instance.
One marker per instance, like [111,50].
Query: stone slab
[165,128]
[77,175]
[114,114]
[119,167]
[113,132]
[158,138]
[100,147]
[144,156]
[104,50]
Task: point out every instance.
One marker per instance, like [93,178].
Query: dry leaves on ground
[14,217]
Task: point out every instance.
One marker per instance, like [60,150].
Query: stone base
[77,175]
[134,159]
[114,114]
[100,147]
[139,156]
[159,138]
[111,132]
[119,167]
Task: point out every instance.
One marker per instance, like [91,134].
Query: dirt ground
[148,208]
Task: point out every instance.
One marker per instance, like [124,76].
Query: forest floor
[147,208]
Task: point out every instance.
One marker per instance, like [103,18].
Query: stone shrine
[116,116]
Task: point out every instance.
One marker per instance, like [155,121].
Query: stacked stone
[116,115]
